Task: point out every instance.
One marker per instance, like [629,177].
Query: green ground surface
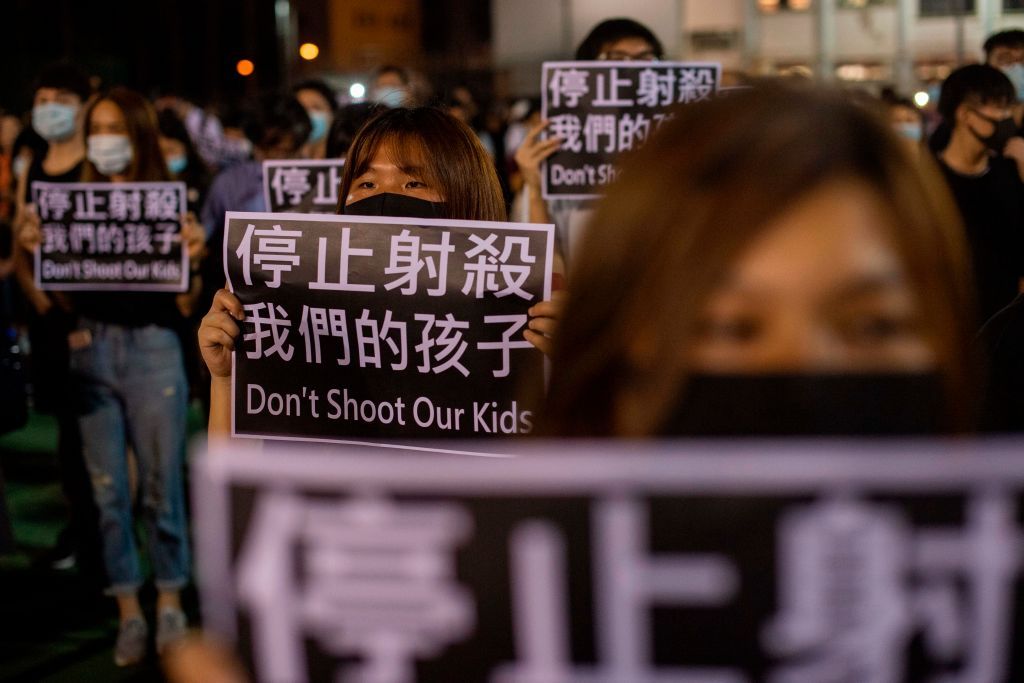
[55,626]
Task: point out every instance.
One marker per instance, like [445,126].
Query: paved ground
[55,626]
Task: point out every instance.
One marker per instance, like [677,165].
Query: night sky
[189,47]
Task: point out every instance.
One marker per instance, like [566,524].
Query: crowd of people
[788,260]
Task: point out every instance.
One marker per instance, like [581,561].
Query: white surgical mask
[390,97]
[1015,72]
[908,130]
[320,124]
[54,121]
[111,154]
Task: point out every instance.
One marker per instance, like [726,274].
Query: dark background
[190,47]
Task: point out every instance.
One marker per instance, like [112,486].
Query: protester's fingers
[549,144]
[535,132]
[543,150]
[544,344]
[29,234]
[543,325]
[211,337]
[224,300]
[552,308]
[221,321]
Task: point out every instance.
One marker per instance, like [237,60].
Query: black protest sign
[302,185]
[620,564]
[103,236]
[384,328]
[601,109]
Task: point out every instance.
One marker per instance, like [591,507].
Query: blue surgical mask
[908,130]
[54,121]
[1015,72]
[111,154]
[320,125]
[177,164]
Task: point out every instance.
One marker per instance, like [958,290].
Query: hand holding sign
[532,152]
[218,331]
[29,234]
[193,237]
[544,319]
[379,328]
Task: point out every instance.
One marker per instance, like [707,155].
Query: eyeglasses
[621,56]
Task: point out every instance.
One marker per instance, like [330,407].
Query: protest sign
[601,109]
[302,185]
[384,328]
[104,236]
[613,563]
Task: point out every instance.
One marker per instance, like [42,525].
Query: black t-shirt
[992,207]
[1003,341]
[37,172]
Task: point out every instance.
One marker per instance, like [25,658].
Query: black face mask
[395,205]
[898,404]
[1003,130]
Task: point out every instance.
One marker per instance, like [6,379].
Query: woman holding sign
[418,163]
[762,282]
[131,390]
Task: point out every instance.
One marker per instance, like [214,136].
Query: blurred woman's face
[821,290]
[632,48]
[383,175]
[107,119]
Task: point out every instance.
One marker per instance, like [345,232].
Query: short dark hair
[275,117]
[64,76]
[319,86]
[613,30]
[1013,37]
[979,83]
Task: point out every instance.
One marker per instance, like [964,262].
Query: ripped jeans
[131,389]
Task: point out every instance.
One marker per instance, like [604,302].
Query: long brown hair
[147,162]
[687,204]
[454,160]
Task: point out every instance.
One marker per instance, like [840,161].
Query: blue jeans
[131,389]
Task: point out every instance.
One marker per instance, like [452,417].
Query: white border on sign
[186,273]
[292,163]
[545,195]
[590,468]
[742,467]
[548,228]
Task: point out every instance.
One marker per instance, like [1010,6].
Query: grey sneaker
[131,642]
[171,627]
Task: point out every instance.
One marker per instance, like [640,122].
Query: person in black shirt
[977,102]
[61,93]
[1002,339]
[130,388]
